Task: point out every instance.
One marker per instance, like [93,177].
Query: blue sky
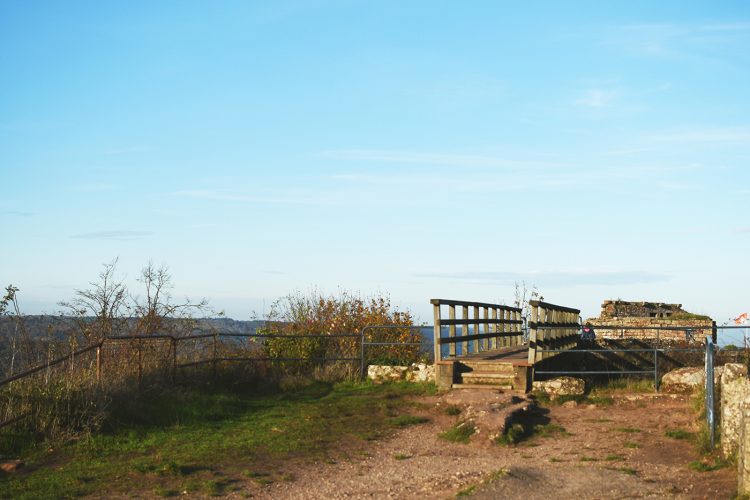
[423,149]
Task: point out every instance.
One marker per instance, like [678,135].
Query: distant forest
[43,328]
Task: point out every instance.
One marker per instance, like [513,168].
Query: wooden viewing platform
[489,351]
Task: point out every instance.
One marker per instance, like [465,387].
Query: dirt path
[606,452]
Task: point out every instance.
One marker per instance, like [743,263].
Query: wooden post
[493,316]
[215,357]
[174,361]
[533,335]
[99,363]
[436,331]
[476,329]
[140,361]
[485,341]
[465,330]
[452,330]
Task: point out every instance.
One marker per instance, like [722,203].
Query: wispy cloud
[416,157]
[17,213]
[676,40]
[115,235]
[597,98]
[302,198]
[706,134]
[93,187]
[743,230]
[554,279]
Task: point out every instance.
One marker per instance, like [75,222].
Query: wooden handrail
[492,326]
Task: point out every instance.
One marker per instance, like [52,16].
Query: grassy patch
[707,466]
[679,434]
[588,459]
[518,432]
[467,492]
[407,420]
[630,444]
[627,470]
[452,410]
[549,430]
[614,458]
[401,456]
[626,430]
[459,433]
[160,442]
[512,435]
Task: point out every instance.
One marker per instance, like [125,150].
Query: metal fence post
[710,389]
[656,370]
[362,355]
[99,363]
[140,362]
[174,361]
[215,354]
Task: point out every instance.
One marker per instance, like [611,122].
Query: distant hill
[41,325]
[44,327]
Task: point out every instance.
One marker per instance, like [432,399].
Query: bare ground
[617,451]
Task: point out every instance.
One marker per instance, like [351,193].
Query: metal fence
[136,359]
[710,407]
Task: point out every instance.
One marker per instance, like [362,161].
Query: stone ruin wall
[646,317]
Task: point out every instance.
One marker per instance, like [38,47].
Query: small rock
[570,404]
[11,466]
[561,386]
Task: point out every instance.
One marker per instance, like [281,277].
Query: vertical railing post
[436,331]
[475,344]
[99,363]
[710,389]
[465,330]
[533,334]
[362,354]
[174,361]
[493,328]
[215,356]
[656,370]
[452,330]
[140,361]
[486,341]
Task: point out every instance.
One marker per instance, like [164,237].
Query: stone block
[688,379]
[445,372]
[561,386]
[735,393]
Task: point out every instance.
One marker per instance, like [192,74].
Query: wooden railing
[493,326]
[552,329]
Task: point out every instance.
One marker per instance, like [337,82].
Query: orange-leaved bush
[319,319]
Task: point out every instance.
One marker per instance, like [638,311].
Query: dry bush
[317,319]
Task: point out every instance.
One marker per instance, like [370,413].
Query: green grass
[512,435]
[707,466]
[452,410]
[679,434]
[614,458]
[407,420]
[626,430]
[518,432]
[459,433]
[192,440]
[630,444]
[589,459]
[627,470]
[401,456]
[467,492]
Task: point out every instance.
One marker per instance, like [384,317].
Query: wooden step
[483,377]
[484,387]
[489,366]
